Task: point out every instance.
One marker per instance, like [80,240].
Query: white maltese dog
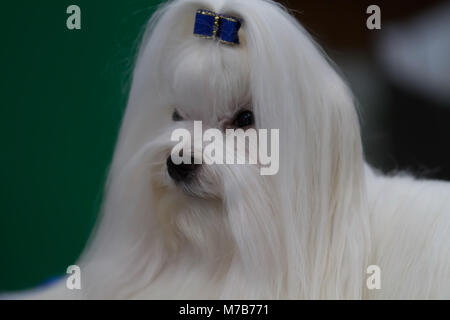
[310,231]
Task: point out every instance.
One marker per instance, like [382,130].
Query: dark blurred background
[400,75]
[64,92]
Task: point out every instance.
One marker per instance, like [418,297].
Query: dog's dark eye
[244,119]
[176,116]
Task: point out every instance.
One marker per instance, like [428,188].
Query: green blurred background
[63,94]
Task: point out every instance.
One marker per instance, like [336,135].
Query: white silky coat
[308,232]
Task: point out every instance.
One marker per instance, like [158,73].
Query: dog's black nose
[182,171]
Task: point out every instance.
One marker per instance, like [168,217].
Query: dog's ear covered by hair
[296,88]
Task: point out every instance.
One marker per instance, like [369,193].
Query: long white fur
[308,232]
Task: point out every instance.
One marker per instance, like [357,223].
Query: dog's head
[229,216]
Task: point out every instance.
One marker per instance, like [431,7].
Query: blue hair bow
[210,25]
